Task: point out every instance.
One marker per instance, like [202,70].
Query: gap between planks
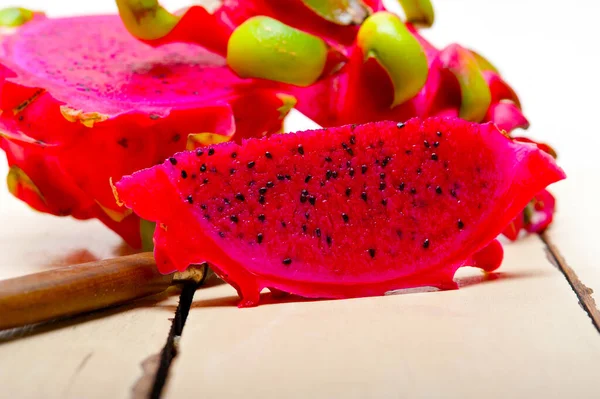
[170,350]
[584,294]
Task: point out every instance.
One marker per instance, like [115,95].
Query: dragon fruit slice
[82,102]
[341,212]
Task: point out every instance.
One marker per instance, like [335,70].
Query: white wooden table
[526,331]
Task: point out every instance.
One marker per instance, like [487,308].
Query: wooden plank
[574,239]
[515,333]
[99,355]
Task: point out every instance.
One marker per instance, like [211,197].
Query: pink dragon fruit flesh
[341,212]
[83,102]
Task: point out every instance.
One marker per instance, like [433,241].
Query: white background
[547,50]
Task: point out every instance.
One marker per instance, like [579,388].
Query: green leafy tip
[263,47]
[15,16]
[384,37]
[475,93]
[341,12]
[483,63]
[146,19]
[418,12]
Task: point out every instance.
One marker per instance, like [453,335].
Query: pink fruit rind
[71,120]
[197,225]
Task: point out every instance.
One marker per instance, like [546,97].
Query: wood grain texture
[99,355]
[516,333]
[573,237]
[77,289]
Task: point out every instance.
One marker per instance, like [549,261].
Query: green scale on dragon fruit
[83,102]
[341,212]
[358,63]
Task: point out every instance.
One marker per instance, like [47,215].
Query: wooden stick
[82,288]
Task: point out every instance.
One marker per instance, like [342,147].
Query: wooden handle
[80,288]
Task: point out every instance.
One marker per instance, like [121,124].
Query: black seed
[382,186]
[408,152]
[318,232]
[283,224]
[240,197]
[206,216]
[199,152]
[436,144]
[439,134]
[348,191]
[345,217]
[205,181]
[385,161]
[348,163]
[288,177]
[226,201]
[270,184]
[363,169]
[280,177]
[419,171]
[173,161]
[382,175]
[460,224]
[426,243]
[312,199]
[233,155]
[251,183]
[350,152]
[261,217]
[352,139]
[300,149]
[353,126]
[211,151]
[123,142]
[413,190]
[384,202]
[304,193]
[434,157]
[453,193]
[268,155]
[304,228]
[203,207]
[400,125]
[401,187]
[183,174]
[371,252]
[190,200]
[231,171]
[307,215]
[234,218]
[363,195]
[287,261]
[251,164]
[351,172]
[221,234]
[261,199]
[262,190]
[328,159]
[334,174]
[329,240]
[307,179]
[399,233]
[203,168]
[438,190]
[259,238]
[328,175]
[426,143]
[344,146]
[303,199]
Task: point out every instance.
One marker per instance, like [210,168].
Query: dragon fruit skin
[351,211]
[72,120]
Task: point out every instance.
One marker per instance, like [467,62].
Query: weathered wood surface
[99,355]
[516,333]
